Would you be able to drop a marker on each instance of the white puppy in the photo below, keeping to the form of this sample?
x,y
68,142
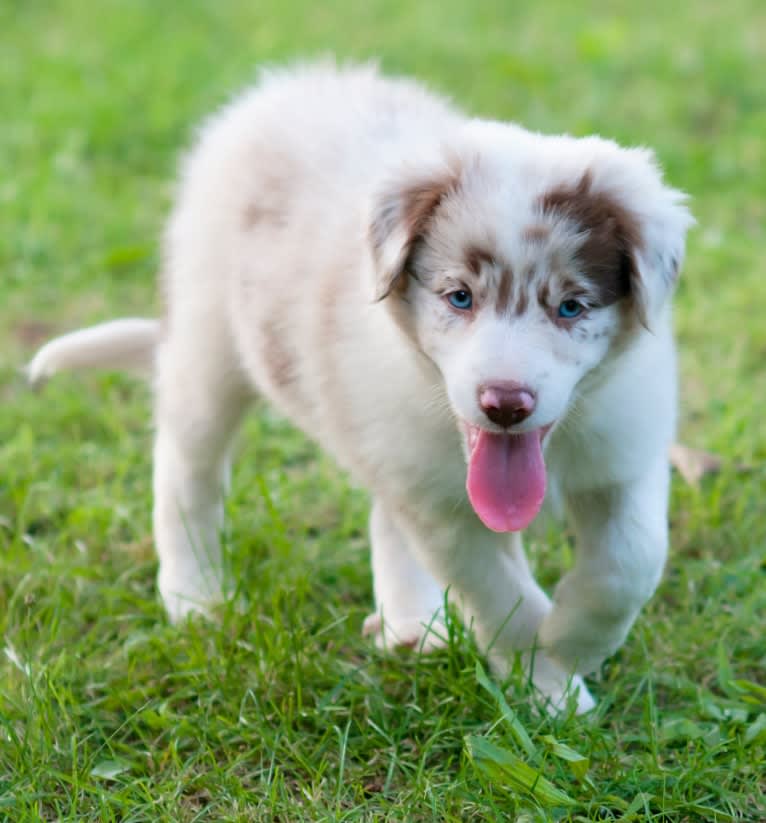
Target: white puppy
x,y
462,312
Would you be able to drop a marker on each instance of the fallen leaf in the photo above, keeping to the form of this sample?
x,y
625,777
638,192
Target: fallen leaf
x,y
32,333
694,464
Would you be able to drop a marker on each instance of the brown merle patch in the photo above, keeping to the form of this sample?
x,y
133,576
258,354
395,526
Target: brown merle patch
x,y
476,257
276,355
536,234
255,214
613,236
411,209
421,201
543,292
504,289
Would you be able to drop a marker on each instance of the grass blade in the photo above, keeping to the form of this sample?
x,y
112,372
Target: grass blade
x,y
519,732
512,773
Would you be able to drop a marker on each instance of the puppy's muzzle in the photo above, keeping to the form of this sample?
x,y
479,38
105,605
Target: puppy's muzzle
x,y
506,403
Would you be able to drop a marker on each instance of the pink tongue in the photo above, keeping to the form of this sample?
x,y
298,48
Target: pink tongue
x,y
506,479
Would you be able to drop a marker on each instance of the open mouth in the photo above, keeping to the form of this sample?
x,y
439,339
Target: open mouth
x,y
506,476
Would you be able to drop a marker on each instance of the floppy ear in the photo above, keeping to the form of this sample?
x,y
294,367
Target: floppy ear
x,y
634,228
651,220
401,213
664,221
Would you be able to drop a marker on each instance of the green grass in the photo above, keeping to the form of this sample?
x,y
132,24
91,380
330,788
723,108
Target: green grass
x,y
280,710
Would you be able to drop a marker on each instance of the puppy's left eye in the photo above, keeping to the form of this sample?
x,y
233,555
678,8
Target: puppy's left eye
x,y
461,299
570,309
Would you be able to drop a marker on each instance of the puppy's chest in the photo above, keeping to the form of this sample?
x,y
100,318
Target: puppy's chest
x,y
595,456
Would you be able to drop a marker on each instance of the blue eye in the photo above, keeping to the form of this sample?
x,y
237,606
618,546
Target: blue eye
x,y
460,299
570,308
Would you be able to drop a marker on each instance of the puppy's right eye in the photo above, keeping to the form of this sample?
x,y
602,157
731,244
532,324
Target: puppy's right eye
x,y
460,299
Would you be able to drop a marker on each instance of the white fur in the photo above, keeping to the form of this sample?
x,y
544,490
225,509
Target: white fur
x,y
271,280
127,344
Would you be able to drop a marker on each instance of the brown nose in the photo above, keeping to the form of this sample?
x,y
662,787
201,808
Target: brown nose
x,y
506,403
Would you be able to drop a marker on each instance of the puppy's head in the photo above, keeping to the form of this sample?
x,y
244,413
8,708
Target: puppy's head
x,y
519,264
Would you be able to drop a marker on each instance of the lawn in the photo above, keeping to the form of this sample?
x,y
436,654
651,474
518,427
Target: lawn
x,y
280,710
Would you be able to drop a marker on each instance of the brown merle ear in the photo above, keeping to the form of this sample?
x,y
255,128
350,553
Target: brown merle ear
x,y
401,215
611,239
634,233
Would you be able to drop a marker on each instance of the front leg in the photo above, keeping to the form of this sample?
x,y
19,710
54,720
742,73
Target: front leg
x,y
486,575
408,601
621,546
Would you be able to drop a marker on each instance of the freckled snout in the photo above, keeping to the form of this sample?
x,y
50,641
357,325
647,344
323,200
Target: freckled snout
x,y
506,403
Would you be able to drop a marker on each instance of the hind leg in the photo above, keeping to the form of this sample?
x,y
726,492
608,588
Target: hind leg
x,y
200,400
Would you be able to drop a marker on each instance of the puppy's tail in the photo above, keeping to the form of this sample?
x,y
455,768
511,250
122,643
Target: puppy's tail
x,y
127,344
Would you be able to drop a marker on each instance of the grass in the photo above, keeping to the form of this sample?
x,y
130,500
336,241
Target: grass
x,y
280,710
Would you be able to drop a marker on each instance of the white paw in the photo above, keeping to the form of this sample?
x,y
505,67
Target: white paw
x,y
556,686
421,633
557,697
182,599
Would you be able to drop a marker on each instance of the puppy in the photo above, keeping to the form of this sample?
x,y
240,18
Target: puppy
x,y
469,316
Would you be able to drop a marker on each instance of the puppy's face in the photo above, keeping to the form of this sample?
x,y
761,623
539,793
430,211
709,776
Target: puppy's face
x,y
517,281
518,316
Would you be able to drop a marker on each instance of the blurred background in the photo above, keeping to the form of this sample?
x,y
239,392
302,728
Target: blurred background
x,y
99,99
97,102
